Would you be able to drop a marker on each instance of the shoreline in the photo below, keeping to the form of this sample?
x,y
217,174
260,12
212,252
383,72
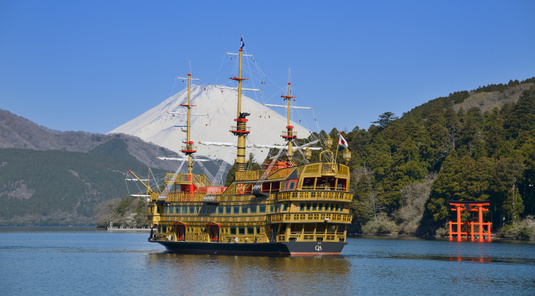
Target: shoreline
x,y
444,238
139,229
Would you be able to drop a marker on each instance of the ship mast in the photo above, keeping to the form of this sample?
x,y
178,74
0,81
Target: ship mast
x,y
240,130
289,134
189,149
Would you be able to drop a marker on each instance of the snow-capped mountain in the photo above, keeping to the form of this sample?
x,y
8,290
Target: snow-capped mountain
x,y
212,119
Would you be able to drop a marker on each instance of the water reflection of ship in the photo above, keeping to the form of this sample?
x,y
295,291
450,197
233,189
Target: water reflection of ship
x,y
290,274
473,259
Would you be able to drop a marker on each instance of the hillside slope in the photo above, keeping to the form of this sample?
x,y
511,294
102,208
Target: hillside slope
x,y
407,169
57,187
19,132
57,178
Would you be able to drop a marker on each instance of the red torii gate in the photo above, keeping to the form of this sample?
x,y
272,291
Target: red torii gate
x,y
471,206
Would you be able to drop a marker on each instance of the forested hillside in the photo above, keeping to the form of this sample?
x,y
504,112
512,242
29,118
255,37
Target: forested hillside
x,y
406,169
51,177
57,187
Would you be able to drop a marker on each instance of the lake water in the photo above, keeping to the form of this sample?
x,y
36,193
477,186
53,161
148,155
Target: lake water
x,y
84,261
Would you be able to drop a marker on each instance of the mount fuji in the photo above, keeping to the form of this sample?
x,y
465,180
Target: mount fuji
x,y
212,119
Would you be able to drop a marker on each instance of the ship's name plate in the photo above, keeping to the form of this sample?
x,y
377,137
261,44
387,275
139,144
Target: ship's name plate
x,y
209,198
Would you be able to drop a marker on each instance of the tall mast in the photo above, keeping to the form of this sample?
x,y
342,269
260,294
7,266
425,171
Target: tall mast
x,y
289,134
189,149
240,130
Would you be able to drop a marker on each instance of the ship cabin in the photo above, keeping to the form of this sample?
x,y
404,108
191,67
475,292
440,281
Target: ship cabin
x,y
308,203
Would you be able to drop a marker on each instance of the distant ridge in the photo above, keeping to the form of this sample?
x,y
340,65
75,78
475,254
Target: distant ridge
x,y
218,106
19,132
51,177
484,98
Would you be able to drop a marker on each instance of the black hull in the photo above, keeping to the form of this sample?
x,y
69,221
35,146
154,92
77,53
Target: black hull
x,y
264,249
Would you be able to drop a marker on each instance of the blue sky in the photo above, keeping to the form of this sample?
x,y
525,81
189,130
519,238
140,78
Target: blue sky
x,y
94,65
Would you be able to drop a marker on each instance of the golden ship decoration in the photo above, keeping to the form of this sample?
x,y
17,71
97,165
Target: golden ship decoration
x,y
283,209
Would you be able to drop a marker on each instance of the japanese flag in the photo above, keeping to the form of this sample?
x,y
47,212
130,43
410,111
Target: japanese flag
x,y
341,141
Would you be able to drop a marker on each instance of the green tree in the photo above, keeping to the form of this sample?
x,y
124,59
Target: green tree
x,y
385,119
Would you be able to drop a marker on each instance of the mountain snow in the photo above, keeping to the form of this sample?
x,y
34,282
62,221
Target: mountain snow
x,y
212,119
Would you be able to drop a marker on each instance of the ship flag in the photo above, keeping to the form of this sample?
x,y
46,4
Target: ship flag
x,y
241,43
341,141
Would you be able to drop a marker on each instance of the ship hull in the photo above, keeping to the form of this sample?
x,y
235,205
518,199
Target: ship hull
x,y
262,249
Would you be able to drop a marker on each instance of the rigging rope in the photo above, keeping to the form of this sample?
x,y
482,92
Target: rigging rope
x,y
172,182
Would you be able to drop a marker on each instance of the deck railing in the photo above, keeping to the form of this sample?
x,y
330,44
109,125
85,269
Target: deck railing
x,y
309,218
185,178
316,196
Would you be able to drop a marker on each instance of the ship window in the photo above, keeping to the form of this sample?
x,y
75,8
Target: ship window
x,y
262,209
236,210
342,229
166,210
331,229
275,186
320,228
157,210
282,228
244,209
309,228
308,183
342,184
320,183
253,210
308,206
290,185
184,210
284,207
241,230
296,228
228,210
192,210
233,231
220,210
314,206
320,207
301,207
272,209
212,209
250,230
